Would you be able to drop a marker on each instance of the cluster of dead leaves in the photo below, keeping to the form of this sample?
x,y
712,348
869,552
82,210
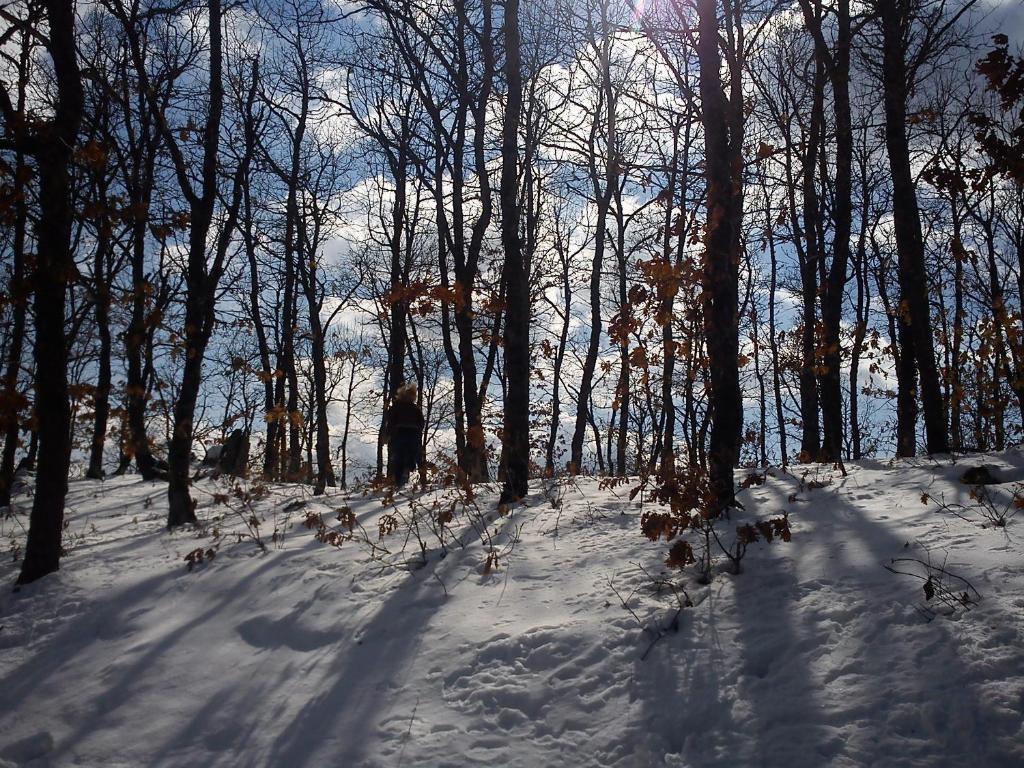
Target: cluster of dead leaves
x,y
769,530
326,535
199,555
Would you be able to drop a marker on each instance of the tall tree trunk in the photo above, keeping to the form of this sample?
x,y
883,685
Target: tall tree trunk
x,y
556,375
287,391
474,457
722,142
593,346
134,342
762,437
263,347
199,307
622,392
809,266
860,332
598,451
516,435
837,66
291,454
202,279
666,313
603,199
447,338
101,297
142,147
54,269
305,261
773,336
349,394
902,344
959,254
19,294
397,300
325,471
810,444
181,506
907,224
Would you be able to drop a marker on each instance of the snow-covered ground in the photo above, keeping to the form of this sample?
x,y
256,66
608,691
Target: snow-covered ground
x,y
317,655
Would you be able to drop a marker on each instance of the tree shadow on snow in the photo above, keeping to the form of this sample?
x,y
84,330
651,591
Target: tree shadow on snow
x,y
838,667
366,677
815,655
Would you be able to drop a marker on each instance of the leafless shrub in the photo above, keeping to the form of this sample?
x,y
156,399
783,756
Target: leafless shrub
x,y
944,591
657,628
987,505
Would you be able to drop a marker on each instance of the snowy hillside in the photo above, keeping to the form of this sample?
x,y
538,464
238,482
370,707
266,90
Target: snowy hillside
x,y
577,649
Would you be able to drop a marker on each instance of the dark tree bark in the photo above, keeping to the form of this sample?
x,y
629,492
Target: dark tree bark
x,y
556,374
773,337
603,182
956,376
144,138
102,394
447,337
667,453
19,295
902,345
135,343
54,146
102,279
290,430
262,345
350,389
398,304
811,256
906,395
722,117
837,66
474,461
810,439
862,306
286,385
201,284
622,387
913,276
202,277
516,434
593,346
325,471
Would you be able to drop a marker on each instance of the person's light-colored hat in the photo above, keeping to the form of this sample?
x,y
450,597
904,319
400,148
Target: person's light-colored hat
x,y
407,391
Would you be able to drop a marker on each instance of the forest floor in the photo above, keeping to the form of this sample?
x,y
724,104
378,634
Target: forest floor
x,y
577,649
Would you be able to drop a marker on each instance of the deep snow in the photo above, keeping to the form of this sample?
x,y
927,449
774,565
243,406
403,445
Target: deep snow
x,y
315,655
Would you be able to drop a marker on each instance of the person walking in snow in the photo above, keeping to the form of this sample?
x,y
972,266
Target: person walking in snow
x,y
403,431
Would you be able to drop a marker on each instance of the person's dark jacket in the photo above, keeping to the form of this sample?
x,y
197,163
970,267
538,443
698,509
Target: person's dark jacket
x,y
404,417
404,430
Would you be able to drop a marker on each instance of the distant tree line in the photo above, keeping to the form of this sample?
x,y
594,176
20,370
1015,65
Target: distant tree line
x,y
601,236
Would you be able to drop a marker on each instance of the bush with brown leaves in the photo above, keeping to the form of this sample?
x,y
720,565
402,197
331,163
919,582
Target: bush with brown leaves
x,y
688,506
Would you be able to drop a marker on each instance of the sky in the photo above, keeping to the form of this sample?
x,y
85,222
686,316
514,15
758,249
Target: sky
x,y
1006,16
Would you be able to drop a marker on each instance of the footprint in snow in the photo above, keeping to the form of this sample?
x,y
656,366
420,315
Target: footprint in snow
x,y
540,681
264,632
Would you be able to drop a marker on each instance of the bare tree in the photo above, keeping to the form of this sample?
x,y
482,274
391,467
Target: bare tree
x,y
516,435
52,143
